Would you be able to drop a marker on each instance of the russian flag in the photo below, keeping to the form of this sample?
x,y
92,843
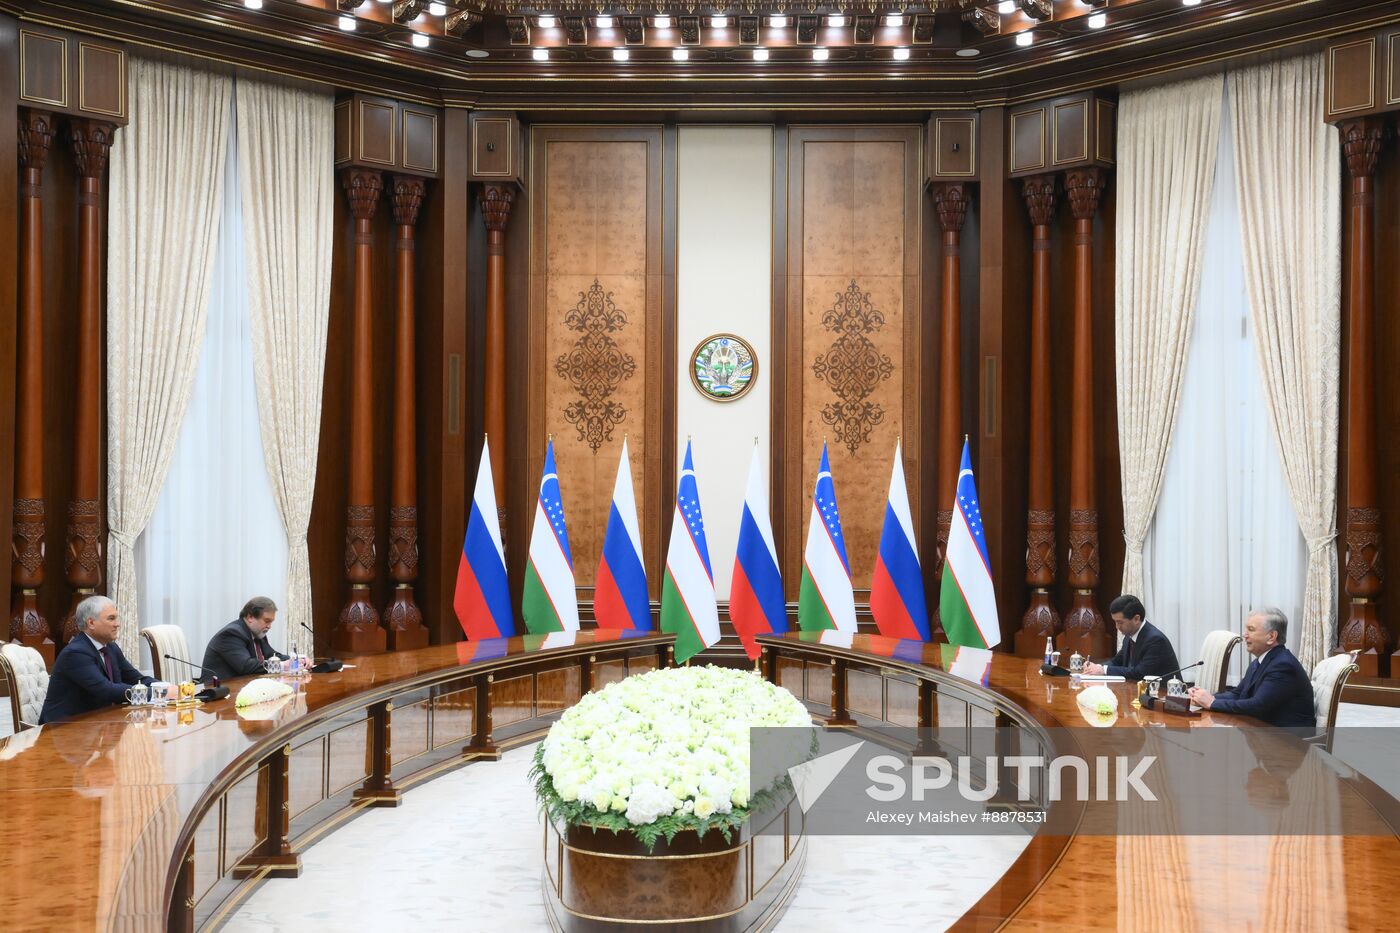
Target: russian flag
x,y
897,589
482,599
620,598
756,604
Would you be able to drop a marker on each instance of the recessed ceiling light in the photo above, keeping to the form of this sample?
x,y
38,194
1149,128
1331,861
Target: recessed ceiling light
x,y
662,22
1190,2
347,24
477,53
253,4
603,22
1097,20
778,22
760,55
836,21
894,20
680,55
1024,39
968,53
820,55
420,40
546,22
621,55
901,54
1006,7
437,9
540,55
719,22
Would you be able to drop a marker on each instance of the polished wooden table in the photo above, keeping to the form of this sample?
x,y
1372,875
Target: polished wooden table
x,y
1106,881
164,819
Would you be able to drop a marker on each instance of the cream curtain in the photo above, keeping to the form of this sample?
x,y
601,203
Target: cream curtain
x,y
286,154
1288,168
1167,140
165,202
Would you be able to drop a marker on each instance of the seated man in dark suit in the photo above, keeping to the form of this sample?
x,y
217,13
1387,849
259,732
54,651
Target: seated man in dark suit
x,y
1275,688
1146,651
90,672
240,648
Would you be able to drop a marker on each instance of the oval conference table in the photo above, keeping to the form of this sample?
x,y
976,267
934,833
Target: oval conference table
x,y
145,819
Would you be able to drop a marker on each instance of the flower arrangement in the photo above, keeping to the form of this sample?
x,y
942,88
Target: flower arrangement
x,y
661,752
1099,705
262,690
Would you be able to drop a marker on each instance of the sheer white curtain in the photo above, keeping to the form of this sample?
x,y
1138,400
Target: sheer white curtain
x,y
1225,537
216,537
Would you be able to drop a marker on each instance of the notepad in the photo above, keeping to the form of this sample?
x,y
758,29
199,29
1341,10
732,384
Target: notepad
x,y
1102,678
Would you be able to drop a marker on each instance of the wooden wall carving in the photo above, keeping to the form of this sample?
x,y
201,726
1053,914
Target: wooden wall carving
x,y
853,370
595,320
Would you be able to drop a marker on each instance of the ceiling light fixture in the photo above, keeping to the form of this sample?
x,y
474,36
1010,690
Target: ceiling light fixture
x,y
540,55
836,21
420,40
1097,20
820,55
621,55
778,22
760,54
894,20
1024,39
1190,2
1006,7
680,55
662,22
253,4
546,22
968,53
479,53
437,9
901,54
603,22
719,22
347,24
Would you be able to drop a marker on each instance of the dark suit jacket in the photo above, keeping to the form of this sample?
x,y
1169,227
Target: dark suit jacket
x,y
1277,691
79,681
230,653
1149,653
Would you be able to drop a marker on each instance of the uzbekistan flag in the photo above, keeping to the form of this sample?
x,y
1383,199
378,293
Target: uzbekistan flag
x,y
897,590
967,602
549,602
826,599
620,600
688,605
482,600
756,593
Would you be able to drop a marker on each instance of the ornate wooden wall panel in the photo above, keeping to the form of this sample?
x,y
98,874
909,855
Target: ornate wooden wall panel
x,y
854,330
595,364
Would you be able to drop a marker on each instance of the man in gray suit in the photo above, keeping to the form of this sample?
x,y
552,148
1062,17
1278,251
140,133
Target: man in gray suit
x,y
241,648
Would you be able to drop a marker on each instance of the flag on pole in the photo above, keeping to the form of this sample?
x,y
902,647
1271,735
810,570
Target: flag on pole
x,y
897,589
482,599
549,602
967,602
620,600
825,599
756,603
688,606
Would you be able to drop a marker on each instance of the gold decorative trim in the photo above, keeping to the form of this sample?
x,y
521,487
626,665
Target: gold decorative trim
x,y
510,150
403,125
24,96
1011,137
938,144
1332,107
393,136
120,112
1112,157
343,132
1392,88
1054,118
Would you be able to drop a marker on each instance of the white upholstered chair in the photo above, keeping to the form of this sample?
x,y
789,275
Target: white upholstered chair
x,y
163,640
27,681
1215,652
1328,678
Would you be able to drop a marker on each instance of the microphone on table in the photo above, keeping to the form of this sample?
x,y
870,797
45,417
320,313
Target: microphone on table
x,y
1182,670
324,665
212,692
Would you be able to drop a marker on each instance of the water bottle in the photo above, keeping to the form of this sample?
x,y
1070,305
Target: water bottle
x,y
296,664
1049,651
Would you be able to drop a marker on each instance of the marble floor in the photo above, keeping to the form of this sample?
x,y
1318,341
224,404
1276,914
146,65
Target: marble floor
x,y
417,868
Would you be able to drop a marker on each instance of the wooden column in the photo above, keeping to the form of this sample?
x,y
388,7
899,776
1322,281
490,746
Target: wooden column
x,y
1041,620
496,201
358,631
1362,629
1084,630
951,202
82,559
27,625
402,618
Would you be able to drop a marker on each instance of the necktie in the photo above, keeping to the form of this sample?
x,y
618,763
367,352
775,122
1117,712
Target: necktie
x,y
1249,675
107,663
1128,643
257,649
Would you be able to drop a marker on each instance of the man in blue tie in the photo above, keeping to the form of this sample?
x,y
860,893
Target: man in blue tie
x,y
91,672
1275,688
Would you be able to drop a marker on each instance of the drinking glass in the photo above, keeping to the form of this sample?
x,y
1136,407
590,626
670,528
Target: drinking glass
x,y
160,693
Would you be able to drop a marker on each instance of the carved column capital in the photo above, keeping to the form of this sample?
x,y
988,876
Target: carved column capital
x,y
362,188
951,202
407,193
35,138
1084,187
496,202
92,142
1038,192
1361,145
